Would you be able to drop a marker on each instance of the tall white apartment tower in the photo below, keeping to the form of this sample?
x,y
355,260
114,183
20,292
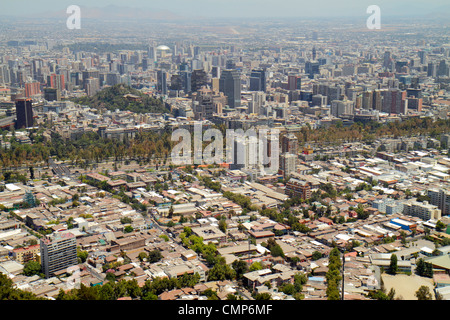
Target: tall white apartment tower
x,y
58,252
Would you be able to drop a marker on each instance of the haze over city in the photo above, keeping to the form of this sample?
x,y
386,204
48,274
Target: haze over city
x,y
244,150
241,9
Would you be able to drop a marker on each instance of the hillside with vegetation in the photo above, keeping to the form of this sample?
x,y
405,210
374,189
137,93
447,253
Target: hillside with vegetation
x,y
124,98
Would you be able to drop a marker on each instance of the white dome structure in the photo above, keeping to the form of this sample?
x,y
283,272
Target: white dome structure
x,y
162,47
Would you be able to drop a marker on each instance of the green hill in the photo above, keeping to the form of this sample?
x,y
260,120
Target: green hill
x,y
124,98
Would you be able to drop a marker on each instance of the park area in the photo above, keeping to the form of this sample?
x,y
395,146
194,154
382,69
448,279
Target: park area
x,y
405,286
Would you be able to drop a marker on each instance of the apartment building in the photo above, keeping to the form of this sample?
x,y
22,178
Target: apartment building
x,y
58,252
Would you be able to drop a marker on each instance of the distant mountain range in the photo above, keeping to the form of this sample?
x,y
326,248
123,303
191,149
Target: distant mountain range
x,y
113,12
124,13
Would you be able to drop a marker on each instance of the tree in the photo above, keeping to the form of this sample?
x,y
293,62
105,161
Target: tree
x,y
424,269
333,275
316,255
423,293
440,226
82,255
142,255
9,292
240,267
31,268
393,267
256,266
154,256
275,249
263,296
223,225
221,271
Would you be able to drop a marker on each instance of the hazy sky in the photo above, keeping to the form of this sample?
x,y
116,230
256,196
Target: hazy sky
x,y
241,8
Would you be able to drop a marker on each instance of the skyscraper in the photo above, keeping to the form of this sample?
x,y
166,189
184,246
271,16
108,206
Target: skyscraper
x,y
288,163
206,102
162,82
312,68
152,55
367,100
92,86
289,144
394,101
185,77
441,199
186,80
230,85
52,94
32,88
432,69
294,82
258,80
24,113
56,81
387,60
199,79
423,56
58,252
443,68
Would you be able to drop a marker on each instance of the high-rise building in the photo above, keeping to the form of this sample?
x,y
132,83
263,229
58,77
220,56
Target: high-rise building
x,y
92,86
294,82
258,80
4,74
339,108
414,103
377,102
289,144
32,88
288,163
443,68
394,101
298,188
215,72
206,102
24,113
152,55
256,102
312,68
56,81
335,93
186,81
367,100
162,82
58,252
230,85
245,152
52,94
441,199
319,100
432,69
199,78
387,60
423,56
423,210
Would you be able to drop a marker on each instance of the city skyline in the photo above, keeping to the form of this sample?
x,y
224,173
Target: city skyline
x,y
225,150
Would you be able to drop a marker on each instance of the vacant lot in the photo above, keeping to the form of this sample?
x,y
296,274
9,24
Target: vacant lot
x,y
405,286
